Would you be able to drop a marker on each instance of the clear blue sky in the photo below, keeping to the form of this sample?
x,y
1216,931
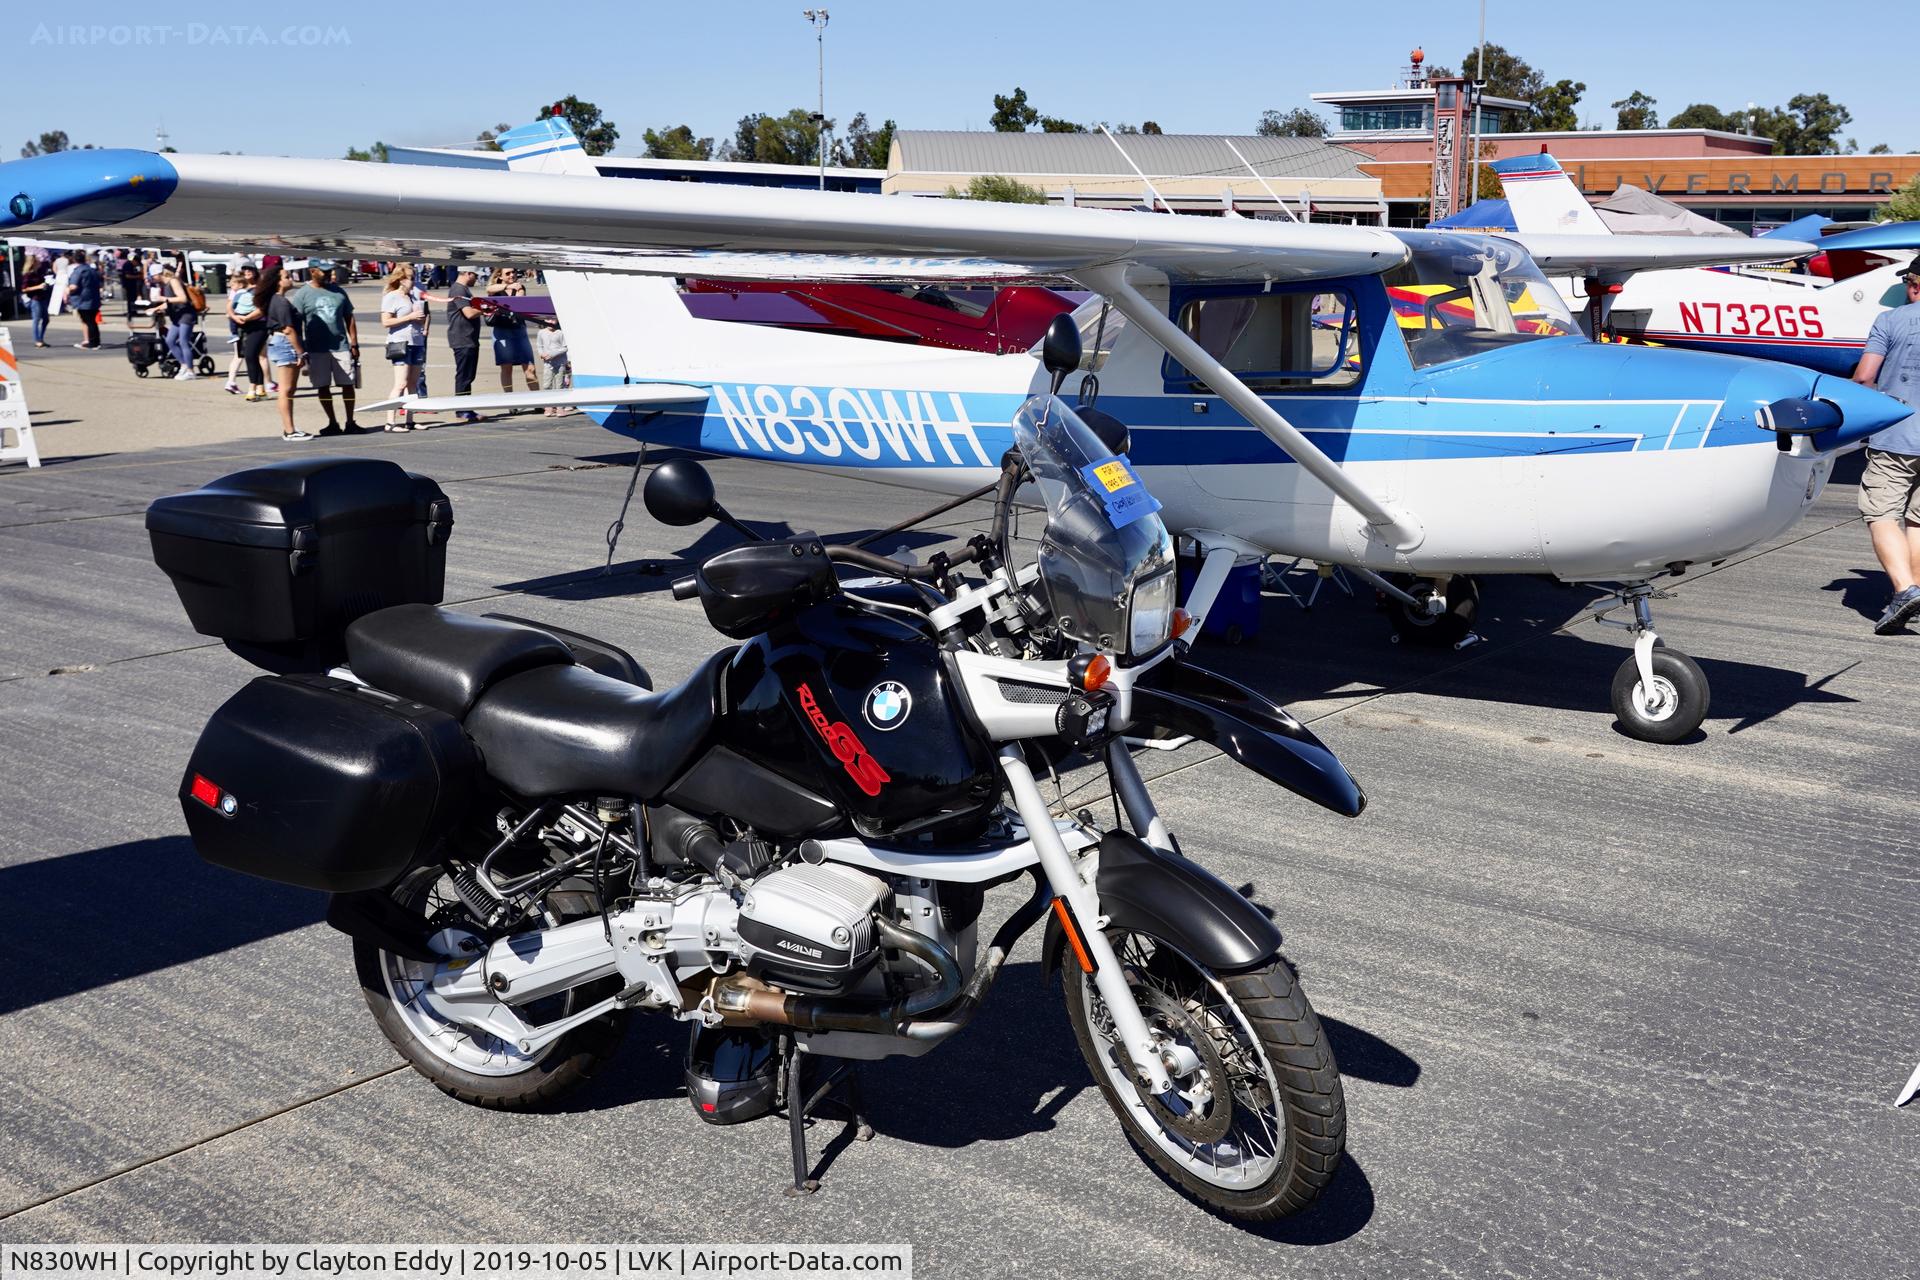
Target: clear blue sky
x,y
312,79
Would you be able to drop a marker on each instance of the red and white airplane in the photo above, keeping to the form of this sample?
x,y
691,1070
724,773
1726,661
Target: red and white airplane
x,y
1803,318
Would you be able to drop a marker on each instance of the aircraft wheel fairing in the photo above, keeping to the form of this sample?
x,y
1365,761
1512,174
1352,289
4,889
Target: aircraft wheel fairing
x,y
1668,711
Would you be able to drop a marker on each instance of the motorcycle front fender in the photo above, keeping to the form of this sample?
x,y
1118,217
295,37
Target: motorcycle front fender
x,y
1175,700
1165,896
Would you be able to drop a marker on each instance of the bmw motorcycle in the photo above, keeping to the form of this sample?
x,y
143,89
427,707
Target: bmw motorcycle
x,y
791,850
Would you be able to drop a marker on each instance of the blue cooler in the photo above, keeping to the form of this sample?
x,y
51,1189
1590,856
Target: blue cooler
x,y
1235,615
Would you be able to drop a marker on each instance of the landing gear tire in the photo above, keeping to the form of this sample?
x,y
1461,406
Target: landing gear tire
x,y
1436,631
1672,709
467,1064
1256,1122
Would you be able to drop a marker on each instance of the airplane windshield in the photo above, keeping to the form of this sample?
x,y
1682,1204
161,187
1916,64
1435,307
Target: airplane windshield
x,y
1461,295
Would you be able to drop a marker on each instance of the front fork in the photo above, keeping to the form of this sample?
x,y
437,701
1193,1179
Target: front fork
x,y
1108,977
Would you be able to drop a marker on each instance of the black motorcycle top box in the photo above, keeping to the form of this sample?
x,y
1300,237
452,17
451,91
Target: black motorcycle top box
x,y
277,560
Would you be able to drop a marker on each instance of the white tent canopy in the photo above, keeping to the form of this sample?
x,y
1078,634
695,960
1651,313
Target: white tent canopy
x,y
1634,210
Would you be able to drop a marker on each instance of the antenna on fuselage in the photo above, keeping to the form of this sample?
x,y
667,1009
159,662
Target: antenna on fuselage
x,y
1146,181
1261,179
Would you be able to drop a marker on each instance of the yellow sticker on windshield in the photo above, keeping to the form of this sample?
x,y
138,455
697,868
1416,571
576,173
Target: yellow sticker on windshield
x,y
1114,475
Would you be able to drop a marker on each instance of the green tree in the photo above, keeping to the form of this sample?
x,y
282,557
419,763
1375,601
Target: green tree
x,y
1701,115
864,146
1903,206
597,134
1879,149
1636,111
1011,114
1149,126
992,186
676,143
1297,123
1555,108
1507,74
488,138
1810,126
1054,124
49,143
377,153
746,135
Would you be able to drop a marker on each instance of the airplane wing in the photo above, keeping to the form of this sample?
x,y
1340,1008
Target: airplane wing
x,y
1562,255
342,207
638,395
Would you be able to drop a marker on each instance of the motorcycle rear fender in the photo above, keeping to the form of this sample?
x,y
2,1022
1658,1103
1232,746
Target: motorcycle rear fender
x,y
374,917
1163,895
1176,700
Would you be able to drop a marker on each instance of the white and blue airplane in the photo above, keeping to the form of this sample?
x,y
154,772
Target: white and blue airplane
x,y
1817,321
1414,403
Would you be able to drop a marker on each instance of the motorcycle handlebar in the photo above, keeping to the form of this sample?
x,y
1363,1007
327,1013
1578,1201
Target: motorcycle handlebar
x,y
686,588
863,559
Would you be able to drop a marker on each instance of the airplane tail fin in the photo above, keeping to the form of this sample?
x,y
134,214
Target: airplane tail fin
x,y
1543,198
548,145
600,309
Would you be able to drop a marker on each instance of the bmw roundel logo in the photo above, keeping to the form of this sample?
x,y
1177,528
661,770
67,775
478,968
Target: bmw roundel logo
x,y
888,704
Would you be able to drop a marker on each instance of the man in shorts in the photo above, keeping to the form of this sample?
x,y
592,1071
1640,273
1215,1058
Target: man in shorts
x,y
1890,486
332,342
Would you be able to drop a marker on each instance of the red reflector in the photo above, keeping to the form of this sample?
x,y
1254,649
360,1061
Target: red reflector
x,y
708,1106
206,792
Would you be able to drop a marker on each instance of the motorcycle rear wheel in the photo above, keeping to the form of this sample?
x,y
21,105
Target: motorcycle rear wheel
x,y
471,1065
1256,1127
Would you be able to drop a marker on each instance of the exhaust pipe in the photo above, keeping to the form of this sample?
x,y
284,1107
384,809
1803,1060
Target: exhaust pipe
x,y
745,997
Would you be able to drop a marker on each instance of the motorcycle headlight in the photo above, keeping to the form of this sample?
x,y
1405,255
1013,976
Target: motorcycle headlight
x,y
1150,622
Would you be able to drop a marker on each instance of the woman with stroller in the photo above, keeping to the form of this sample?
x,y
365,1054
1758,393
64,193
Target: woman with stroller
x,y
181,316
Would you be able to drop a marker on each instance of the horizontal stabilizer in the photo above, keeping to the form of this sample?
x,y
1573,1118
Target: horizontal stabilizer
x,y
1564,255
638,394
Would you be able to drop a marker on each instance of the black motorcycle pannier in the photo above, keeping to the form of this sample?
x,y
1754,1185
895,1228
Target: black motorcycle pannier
x,y
326,784
278,560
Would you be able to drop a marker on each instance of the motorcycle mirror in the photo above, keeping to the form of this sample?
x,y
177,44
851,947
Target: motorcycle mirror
x,y
680,492
1113,433
1060,349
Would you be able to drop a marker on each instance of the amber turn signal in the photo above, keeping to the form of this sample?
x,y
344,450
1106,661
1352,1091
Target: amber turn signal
x,y
1182,621
1098,672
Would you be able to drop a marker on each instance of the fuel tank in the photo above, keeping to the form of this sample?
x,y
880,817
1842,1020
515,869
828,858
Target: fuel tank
x,y
861,710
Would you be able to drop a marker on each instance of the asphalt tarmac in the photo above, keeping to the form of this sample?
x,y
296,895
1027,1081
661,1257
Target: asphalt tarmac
x,y
1603,1008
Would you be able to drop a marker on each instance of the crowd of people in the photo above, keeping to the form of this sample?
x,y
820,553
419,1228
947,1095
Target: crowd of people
x,y
286,323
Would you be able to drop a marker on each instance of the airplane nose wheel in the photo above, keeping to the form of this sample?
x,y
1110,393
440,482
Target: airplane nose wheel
x,y
1659,694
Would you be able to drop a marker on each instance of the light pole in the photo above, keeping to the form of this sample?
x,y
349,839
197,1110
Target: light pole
x,y
818,17
1479,88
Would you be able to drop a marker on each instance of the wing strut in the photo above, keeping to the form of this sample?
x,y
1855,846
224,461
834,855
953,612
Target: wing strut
x,y
1399,529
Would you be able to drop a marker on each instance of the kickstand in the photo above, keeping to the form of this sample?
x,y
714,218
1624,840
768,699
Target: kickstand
x,y
801,1104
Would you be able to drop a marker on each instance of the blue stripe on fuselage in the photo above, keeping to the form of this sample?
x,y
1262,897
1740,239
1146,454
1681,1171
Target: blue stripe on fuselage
x,y
889,428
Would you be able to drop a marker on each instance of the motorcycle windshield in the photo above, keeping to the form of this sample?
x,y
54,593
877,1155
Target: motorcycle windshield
x,y
1106,560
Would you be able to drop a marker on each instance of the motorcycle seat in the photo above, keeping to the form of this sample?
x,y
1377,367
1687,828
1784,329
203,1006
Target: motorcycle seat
x,y
567,730
443,659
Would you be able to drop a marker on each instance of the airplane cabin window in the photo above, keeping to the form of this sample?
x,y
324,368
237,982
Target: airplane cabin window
x,y
1464,295
1277,341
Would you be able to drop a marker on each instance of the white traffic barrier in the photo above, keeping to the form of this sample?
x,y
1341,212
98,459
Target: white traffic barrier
x,y
13,408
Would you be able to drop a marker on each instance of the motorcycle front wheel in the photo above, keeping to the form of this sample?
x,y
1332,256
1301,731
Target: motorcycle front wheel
x,y
1256,1122
466,1063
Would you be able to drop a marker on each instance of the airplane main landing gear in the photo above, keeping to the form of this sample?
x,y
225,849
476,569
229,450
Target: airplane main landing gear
x,y
1435,613
1659,694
